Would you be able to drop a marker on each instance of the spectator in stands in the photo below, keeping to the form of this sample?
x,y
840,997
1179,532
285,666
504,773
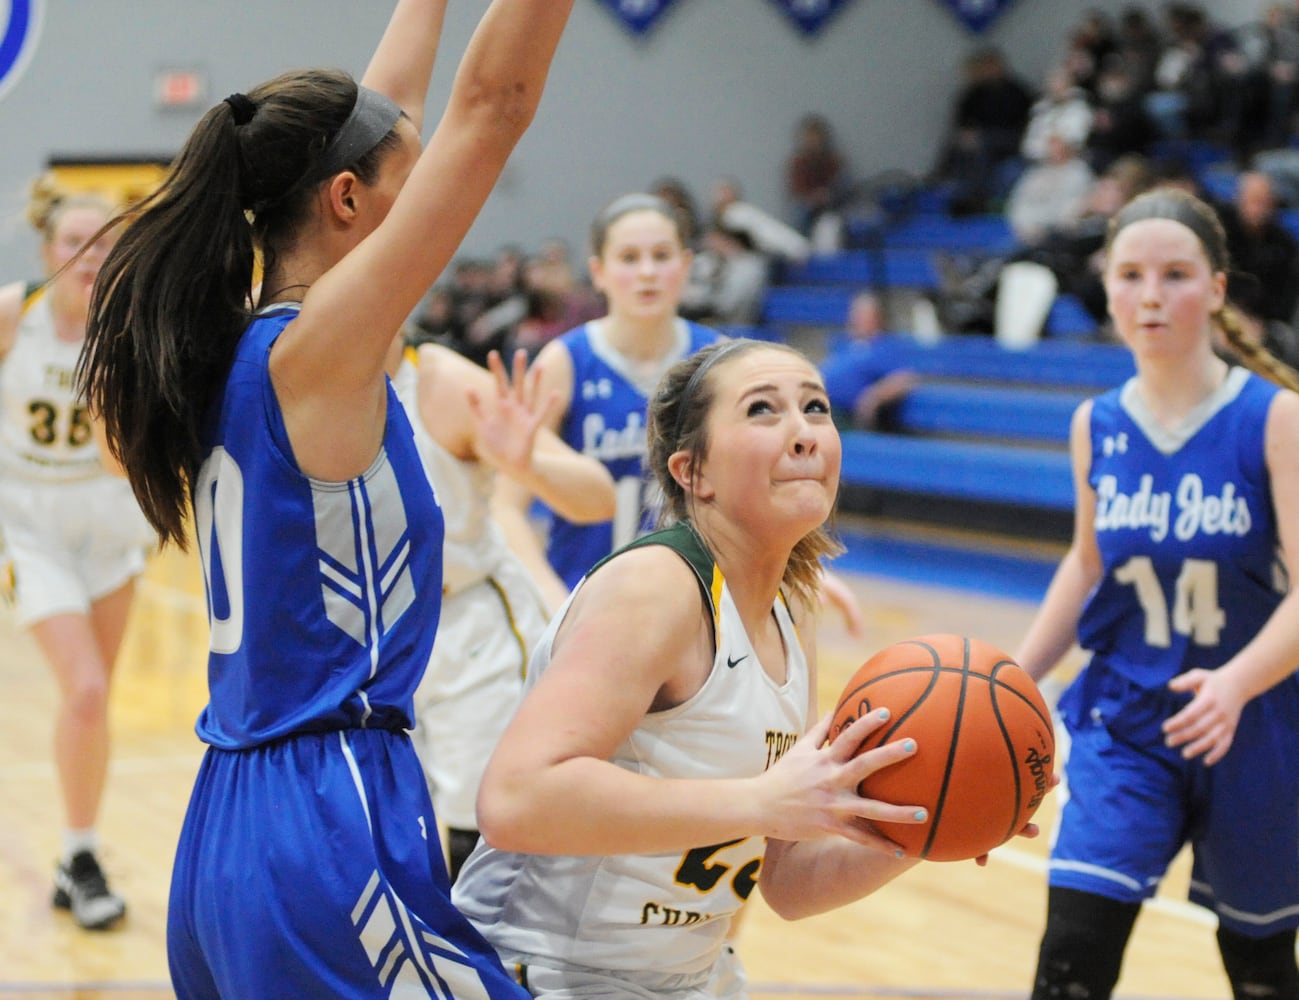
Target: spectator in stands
x,y
816,174
1051,194
1120,125
434,320
1092,42
1199,78
1139,47
673,190
1063,110
558,299
737,254
866,378
982,145
1264,282
1274,75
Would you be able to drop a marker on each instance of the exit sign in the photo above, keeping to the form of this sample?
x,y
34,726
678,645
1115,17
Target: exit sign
x,y
179,88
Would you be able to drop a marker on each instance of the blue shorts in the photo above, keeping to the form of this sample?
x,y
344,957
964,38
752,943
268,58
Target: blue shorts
x,y
311,867
1131,803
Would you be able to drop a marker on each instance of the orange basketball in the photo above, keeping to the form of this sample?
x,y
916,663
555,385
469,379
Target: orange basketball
x,y
985,744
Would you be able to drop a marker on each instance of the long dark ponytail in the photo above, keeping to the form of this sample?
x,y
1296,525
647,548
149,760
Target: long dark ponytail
x,y
175,294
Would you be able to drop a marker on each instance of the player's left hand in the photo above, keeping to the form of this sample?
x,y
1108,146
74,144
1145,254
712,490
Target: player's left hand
x,y
1030,829
1207,724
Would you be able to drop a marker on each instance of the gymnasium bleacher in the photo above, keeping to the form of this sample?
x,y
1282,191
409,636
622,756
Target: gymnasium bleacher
x,y
981,442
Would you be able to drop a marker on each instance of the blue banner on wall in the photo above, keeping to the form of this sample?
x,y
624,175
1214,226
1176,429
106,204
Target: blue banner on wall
x,y
638,15
18,35
977,15
809,15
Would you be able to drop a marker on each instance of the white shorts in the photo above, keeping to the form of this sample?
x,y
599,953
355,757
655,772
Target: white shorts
x,y
473,685
69,544
726,980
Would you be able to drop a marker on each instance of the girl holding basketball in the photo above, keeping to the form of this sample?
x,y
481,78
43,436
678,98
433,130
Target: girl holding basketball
x,y
642,785
309,862
603,373
1184,723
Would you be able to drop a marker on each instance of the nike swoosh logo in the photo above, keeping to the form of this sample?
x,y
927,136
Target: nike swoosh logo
x,y
731,663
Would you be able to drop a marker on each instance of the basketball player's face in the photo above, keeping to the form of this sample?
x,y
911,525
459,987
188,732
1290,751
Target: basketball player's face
x,y
73,229
1161,288
773,451
643,266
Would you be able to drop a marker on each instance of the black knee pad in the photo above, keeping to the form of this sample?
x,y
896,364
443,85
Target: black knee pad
x,y
1082,947
1260,968
460,843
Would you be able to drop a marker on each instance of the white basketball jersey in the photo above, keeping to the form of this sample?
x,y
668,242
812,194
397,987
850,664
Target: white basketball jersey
x,y
45,432
475,545
668,913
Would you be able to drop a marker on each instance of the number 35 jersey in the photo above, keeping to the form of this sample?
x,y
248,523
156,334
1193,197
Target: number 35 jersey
x,y
45,434
1186,530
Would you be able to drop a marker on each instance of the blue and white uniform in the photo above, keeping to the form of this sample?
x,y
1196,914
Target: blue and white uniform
x,y
309,862
651,925
606,420
1189,547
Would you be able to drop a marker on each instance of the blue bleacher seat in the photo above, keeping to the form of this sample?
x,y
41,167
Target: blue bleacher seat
x,y
1048,363
990,473
951,409
1069,318
809,305
988,233
908,267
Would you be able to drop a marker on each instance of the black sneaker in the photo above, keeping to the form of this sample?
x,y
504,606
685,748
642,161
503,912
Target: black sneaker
x,y
80,886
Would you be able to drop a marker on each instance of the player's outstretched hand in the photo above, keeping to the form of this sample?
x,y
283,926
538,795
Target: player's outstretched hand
x,y
506,426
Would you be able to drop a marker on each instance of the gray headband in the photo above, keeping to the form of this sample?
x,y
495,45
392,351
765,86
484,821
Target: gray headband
x,y
1175,208
372,117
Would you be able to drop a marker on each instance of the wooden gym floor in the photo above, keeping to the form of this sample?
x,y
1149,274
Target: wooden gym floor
x,y
951,931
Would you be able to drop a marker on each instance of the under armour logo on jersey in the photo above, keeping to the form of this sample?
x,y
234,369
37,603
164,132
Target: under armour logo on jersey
x,y
409,958
364,546
597,388
1114,444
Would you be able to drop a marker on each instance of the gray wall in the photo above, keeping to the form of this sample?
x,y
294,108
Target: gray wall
x,y
715,89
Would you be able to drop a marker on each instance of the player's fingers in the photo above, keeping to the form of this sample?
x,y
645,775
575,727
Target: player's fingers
x,y
848,740
497,367
868,762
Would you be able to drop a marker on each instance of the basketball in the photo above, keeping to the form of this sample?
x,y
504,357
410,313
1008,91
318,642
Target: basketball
x,y
985,743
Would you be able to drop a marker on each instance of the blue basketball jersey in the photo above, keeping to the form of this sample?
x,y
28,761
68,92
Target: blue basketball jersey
x,y
309,862
606,419
1186,531
323,597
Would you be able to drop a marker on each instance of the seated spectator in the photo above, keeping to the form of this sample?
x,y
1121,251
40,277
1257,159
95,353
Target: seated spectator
x,y
1050,194
816,174
557,299
1120,125
1264,282
987,126
865,378
434,320
732,269
1063,111
674,191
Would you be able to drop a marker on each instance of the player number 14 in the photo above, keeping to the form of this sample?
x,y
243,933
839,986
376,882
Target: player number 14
x,y
1195,601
